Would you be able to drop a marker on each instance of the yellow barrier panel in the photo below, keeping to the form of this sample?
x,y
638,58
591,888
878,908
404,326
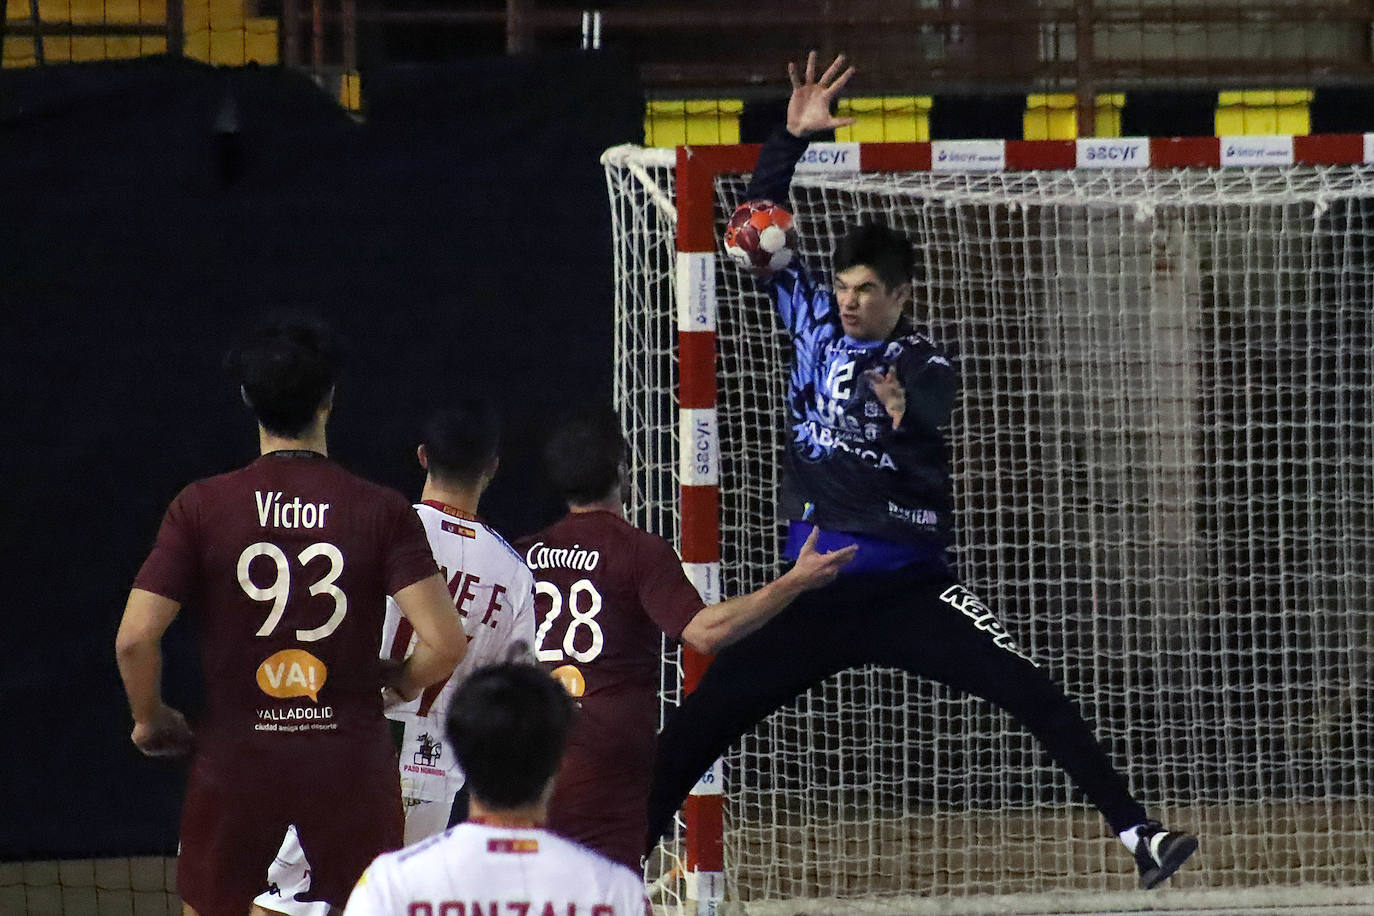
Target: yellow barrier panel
x,y
1050,117
260,40
216,32
1109,105
890,119
1264,111
215,15
674,122
1054,116
351,92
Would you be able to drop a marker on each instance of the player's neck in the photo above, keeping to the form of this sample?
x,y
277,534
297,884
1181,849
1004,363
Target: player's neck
x,y
612,506
464,499
611,502
534,815
312,440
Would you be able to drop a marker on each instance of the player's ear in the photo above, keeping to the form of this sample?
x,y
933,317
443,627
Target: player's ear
x,y
327,405
487,475
423,454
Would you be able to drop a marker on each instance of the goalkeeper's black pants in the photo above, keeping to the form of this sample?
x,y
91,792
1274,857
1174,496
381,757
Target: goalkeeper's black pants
x,y
934,629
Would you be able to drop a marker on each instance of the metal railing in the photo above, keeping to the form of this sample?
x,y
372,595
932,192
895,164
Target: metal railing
x,y
1084,47
1079,46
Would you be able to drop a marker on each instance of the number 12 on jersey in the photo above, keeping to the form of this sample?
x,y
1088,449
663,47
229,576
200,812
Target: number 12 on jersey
x,y
580,593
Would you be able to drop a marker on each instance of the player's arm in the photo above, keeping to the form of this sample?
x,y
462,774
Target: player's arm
x,y
159,730
808,113
441,642
798,303
718,625
930,397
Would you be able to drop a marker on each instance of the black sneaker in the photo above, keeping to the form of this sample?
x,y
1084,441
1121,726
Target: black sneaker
x,y
1159,852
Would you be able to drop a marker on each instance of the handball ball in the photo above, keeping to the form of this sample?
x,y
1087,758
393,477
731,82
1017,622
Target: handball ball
x,y
760,236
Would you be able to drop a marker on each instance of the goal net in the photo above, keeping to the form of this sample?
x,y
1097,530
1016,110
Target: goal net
x,y
1164,485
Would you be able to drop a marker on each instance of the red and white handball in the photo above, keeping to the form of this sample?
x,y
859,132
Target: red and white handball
x,y
761,236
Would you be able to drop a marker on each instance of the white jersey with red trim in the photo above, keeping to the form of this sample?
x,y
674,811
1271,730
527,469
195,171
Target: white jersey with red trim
x,y
493,592
476,867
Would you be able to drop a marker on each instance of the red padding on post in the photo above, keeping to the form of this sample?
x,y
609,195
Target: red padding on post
x,y
696,369
694,665
700,524
1329,149
894,157
705,844
697,167
1041,154
695,231
1185,152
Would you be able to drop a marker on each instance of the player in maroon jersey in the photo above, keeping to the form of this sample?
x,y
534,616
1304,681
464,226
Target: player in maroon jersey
x,y
605,593
286,564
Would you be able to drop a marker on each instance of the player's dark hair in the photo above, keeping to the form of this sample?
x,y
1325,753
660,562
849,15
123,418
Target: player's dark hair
x,y
462,440
584,453
286,367
879,247
508,724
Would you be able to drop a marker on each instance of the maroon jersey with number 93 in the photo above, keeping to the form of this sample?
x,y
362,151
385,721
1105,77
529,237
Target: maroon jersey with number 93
x,y
286,565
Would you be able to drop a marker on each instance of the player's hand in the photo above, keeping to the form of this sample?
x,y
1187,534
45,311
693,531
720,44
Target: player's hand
x,y
890,391
814,568
808,110
164,735
396,684
391,671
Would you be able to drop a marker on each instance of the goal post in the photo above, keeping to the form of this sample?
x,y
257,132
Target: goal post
x,y
1164,487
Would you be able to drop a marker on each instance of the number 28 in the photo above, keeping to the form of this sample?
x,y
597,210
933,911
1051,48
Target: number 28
x,y
580,619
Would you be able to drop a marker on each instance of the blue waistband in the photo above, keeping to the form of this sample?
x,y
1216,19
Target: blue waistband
x,y
875,554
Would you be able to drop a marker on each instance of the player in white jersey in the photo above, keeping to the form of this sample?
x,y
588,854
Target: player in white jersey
x,y
492,589
493,592
508,725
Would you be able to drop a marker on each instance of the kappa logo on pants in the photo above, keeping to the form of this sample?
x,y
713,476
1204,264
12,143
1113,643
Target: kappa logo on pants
x,y
968,604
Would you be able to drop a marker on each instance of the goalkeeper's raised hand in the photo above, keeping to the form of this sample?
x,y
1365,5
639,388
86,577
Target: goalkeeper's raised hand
x,y
808,110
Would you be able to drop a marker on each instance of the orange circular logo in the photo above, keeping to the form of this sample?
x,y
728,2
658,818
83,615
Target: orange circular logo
x,y
292,673
571,679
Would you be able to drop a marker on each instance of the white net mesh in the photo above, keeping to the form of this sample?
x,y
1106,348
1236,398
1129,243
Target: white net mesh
x,y
1163,487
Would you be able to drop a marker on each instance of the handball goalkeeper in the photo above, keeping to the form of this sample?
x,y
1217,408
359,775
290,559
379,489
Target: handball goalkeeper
x,y
869,401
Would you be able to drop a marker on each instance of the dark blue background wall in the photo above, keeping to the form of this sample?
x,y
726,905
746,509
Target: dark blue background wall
x,y
458,240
